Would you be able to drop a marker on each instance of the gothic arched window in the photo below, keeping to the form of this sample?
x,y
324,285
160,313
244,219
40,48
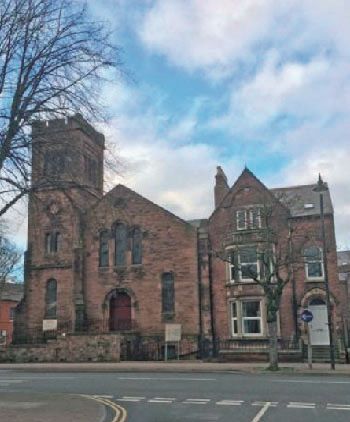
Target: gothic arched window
x,y
136,247
120,244
104,250
168,295
52,242
51,299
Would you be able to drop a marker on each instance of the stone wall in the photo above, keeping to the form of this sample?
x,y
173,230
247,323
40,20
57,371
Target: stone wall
x,y
72,348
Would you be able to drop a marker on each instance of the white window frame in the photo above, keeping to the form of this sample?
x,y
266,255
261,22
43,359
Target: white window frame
x,y
233,319
251,218
239,227
230,266
259,318
248,280
240,319
308,261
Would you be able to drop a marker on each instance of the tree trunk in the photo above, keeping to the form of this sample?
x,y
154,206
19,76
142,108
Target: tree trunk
x,y
273,350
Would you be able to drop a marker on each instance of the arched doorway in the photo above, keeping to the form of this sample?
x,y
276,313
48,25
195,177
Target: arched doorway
x,y
120,312
319,326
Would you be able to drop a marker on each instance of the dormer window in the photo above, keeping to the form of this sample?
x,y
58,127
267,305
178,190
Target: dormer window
x,y
248,219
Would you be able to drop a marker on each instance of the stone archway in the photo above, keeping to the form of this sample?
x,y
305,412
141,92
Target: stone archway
x,y
119,311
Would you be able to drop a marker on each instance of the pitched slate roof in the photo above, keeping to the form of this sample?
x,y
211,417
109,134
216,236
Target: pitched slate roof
x,y
124,189
344,265
12,291
343,258
303,201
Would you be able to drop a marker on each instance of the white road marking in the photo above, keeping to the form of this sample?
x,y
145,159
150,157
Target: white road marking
x,y
261,412
196,401
312,381
262,403
165,379
43,378
300,405
302,402
164,398
206,400
12,381
333,406
229,402
159,401
134,397
129,400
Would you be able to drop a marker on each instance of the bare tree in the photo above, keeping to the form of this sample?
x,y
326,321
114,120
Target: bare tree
x,y
279,252
10,256
53,58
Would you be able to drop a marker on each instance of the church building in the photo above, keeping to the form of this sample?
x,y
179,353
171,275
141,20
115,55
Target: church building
x,y
117,262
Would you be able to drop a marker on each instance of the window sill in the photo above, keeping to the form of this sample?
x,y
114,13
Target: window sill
x,y
103,269
249,337
241,283
315,280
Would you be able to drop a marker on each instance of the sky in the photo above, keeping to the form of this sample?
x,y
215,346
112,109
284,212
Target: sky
x,y
257,83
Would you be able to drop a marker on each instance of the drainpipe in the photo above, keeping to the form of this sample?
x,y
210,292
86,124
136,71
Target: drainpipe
x,y
294,292
211,296
199,269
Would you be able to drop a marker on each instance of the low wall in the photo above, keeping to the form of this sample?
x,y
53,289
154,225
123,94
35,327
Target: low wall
x,y
72,348
258,356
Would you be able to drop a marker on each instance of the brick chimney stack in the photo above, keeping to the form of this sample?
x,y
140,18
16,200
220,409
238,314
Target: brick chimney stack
x,y
221,186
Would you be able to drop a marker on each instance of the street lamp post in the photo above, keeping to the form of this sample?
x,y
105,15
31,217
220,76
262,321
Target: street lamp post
x,y
321,188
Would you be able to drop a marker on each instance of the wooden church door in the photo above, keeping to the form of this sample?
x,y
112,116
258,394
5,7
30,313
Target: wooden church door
x,y
120,312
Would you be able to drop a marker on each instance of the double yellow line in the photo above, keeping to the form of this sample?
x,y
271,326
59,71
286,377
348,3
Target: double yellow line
x,y
120,412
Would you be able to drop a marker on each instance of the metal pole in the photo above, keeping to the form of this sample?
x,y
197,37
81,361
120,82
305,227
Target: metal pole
x,y
309,347
326,285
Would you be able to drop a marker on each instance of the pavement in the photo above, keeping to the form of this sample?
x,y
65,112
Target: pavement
x,y
179,366
41,407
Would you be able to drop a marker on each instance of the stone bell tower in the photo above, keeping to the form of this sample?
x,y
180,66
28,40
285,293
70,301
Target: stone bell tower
x,y
67,179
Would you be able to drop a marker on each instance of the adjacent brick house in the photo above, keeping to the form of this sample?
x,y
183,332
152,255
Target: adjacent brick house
x,y
118,262
11,295
239,305
344,277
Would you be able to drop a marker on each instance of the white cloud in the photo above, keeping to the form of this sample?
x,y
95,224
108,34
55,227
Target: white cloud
x,y
217,35
164,165
332,163
209,35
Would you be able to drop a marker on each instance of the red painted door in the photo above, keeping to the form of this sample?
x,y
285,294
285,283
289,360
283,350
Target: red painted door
x,y
120,312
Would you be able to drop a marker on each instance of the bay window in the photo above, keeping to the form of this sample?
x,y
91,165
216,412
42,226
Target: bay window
x,y
246,318
244,264
248,263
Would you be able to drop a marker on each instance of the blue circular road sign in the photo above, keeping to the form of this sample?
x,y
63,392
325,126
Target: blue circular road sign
x,y
306,315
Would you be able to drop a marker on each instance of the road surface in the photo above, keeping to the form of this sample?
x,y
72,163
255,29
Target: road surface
x,y
173,397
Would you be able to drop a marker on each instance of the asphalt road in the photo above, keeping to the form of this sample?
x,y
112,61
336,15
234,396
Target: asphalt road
x,y
173,397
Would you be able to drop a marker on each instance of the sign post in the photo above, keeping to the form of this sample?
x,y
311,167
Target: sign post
x,y
307,317
173,335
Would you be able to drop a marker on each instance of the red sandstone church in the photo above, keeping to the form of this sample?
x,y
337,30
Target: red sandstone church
x,y
117,262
